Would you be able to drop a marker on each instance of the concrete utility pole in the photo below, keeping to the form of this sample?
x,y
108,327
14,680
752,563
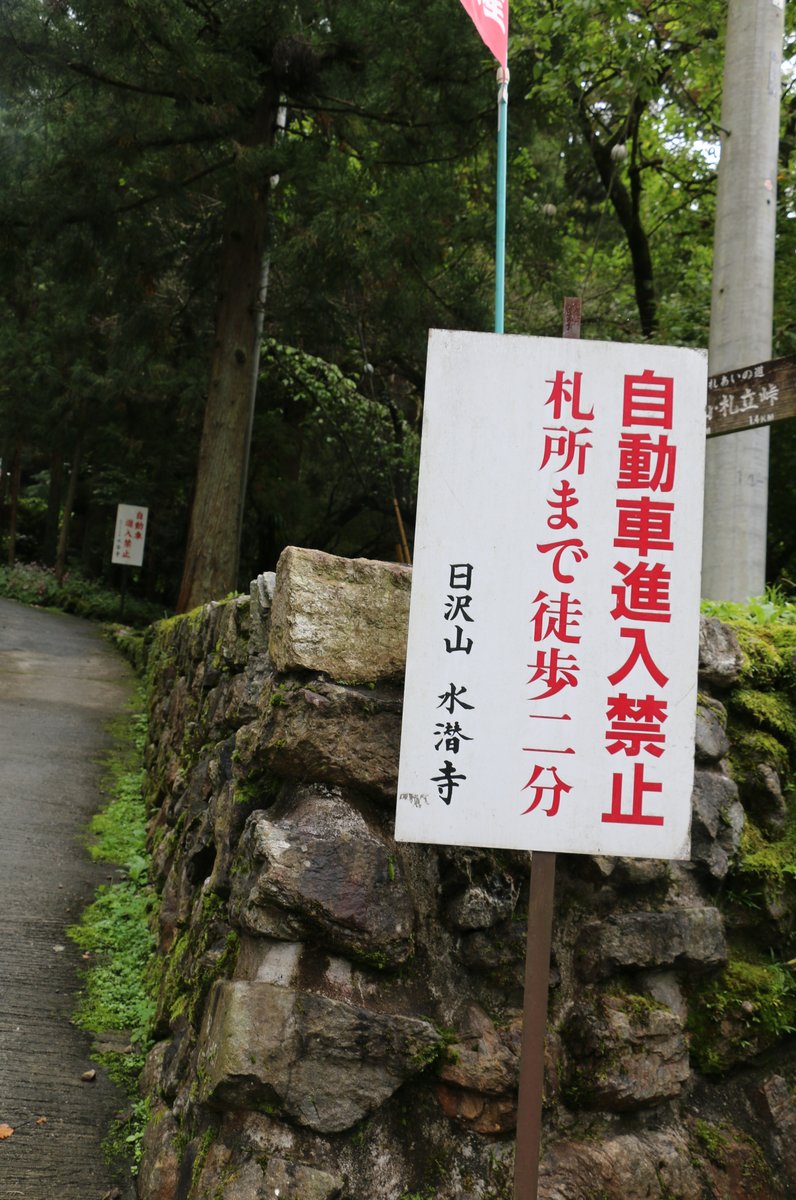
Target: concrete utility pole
x,y
736,480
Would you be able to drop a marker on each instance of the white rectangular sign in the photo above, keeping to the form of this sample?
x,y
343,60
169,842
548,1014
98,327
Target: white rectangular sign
x,y
554,625
129,535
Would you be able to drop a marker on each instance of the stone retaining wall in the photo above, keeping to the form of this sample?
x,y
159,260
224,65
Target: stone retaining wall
x,y
340,1015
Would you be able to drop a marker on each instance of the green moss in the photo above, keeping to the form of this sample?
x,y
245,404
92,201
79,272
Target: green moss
x,y
755,1169
212,906
712,1142
194,964
171,972
429,1058
768,654
773,711
748,1007
638,1006
762,860
753,746
202,1151
260,788
376,959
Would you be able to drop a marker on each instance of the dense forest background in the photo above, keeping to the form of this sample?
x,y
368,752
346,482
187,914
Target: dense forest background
x,y
206,200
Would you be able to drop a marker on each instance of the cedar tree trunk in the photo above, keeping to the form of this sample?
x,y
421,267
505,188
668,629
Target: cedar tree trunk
x,y
211,557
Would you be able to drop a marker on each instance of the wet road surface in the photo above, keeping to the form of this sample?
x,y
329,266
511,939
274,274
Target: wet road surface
x,y
59,684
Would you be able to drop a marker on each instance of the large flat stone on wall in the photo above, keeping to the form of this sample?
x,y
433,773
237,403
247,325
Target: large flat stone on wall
x,y
347,617
325,1063
689,938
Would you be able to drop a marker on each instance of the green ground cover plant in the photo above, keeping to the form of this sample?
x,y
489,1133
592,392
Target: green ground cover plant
x,y
32,583
115,931
772,608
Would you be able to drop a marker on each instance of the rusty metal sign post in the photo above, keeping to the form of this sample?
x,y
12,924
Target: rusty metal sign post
x,y
530,1097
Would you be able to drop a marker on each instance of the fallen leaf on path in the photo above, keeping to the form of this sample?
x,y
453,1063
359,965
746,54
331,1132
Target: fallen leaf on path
x,y
88,1076
41,1120
5,1132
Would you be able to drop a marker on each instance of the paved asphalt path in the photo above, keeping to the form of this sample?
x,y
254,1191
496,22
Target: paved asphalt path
x,y
59,683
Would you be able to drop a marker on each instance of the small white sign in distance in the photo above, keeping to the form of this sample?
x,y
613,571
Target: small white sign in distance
x,y
554,626
130,535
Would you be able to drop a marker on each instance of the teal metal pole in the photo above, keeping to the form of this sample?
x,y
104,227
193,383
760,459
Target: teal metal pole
x,y
500,222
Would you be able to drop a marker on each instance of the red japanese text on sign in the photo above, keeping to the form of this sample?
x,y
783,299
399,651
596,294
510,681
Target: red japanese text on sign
x,y
551,670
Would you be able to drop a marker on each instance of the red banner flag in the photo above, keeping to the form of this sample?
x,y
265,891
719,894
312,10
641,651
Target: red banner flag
x,y
491,19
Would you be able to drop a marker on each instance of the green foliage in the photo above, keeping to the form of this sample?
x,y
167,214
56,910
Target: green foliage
x,y
115,932
121,826
129,134
746,1008
337,456
626,159
31,583
712,1141
772,608
125,1137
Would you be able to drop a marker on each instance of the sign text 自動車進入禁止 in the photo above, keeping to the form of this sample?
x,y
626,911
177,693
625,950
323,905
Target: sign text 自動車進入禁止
x,y
551,672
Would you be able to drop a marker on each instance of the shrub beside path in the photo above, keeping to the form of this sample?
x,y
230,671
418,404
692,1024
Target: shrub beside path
x,y
59,683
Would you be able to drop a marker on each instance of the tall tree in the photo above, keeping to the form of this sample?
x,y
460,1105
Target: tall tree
x,y
166,113
630,94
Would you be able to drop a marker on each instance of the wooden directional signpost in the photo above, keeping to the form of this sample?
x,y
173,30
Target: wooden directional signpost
x,y
751,396
553,634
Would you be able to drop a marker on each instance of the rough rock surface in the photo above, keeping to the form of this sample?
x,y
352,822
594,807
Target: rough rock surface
x,y
340,1014
636,1050
720,655
319,866
685,937
478,1081
717,824
345,617
325,1063
628,1167
712,742
337,735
